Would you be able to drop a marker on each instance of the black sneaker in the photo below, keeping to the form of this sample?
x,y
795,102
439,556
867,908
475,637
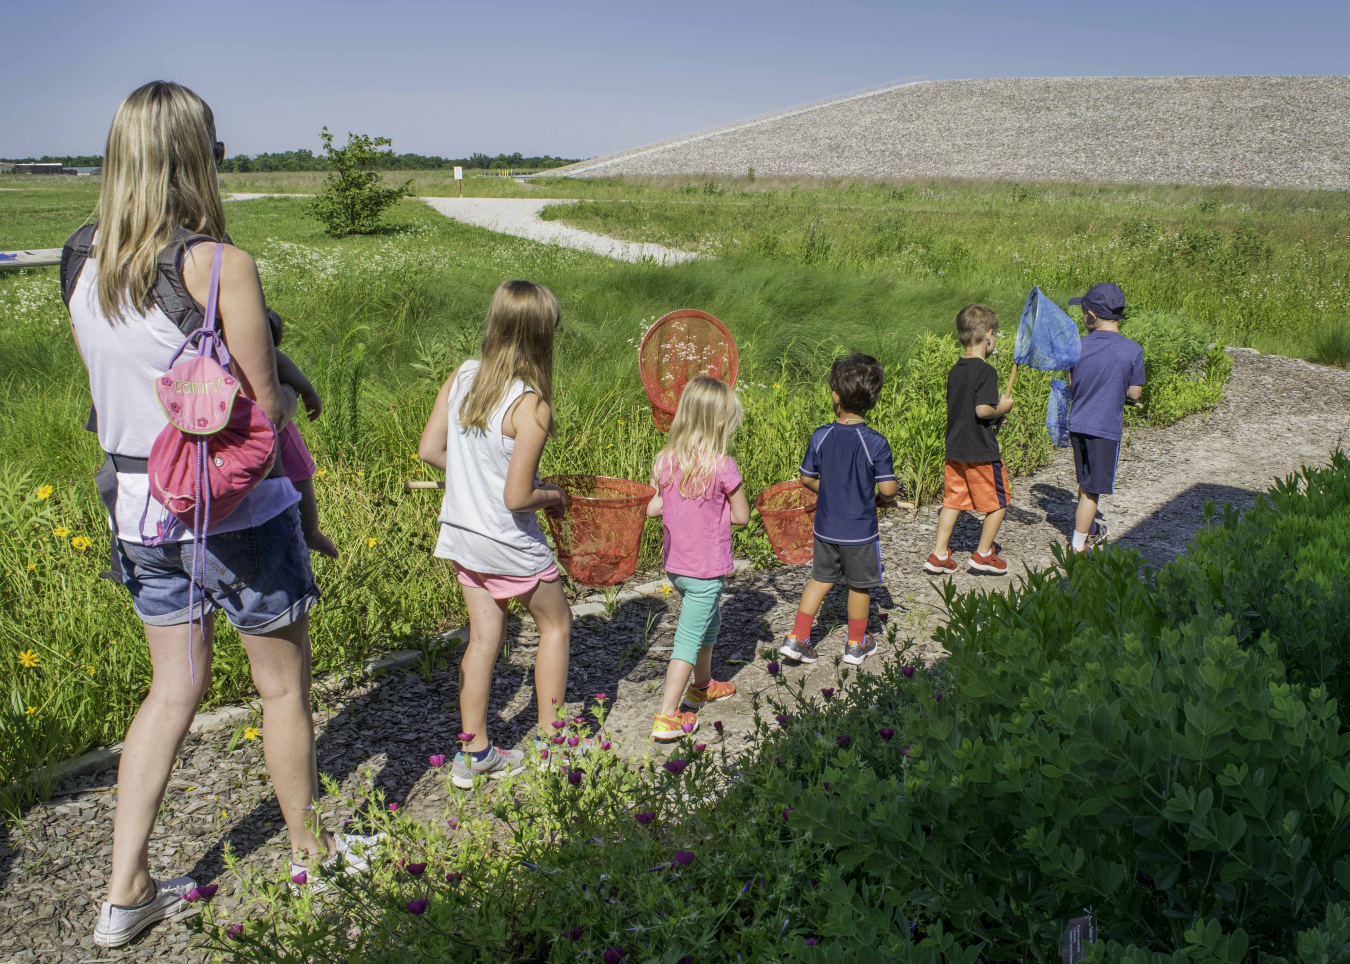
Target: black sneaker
x,y
794,649
855,653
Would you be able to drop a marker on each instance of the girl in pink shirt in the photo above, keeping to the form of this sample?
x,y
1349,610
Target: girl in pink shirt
x,y
699,498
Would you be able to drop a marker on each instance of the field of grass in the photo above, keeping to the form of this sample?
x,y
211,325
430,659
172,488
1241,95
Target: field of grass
x,y
378,322
1267,269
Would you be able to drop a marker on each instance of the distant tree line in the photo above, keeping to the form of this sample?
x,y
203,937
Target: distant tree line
x,y
305,160
82,160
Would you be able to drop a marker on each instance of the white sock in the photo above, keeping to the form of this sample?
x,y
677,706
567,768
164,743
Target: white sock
x,y
1079,540
944,555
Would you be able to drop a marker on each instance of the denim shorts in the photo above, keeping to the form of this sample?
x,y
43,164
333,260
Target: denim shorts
x,y
260,577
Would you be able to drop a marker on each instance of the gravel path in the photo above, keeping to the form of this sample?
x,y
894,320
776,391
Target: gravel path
x,y
520,217
1249,131
1278,415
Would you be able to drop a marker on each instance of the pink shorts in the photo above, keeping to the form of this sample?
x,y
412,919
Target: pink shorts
x,y
504,587
296,462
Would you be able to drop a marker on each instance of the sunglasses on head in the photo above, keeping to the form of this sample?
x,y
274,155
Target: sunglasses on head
x,y
220,151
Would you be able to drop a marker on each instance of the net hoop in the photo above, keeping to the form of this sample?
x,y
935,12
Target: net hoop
x,y
598,535
788,510
724,366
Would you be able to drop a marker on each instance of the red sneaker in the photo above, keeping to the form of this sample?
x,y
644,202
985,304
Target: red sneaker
x,y
942,567
989,562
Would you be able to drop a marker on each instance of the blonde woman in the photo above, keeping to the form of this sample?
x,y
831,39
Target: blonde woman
x,y
699,498
159,185
487,431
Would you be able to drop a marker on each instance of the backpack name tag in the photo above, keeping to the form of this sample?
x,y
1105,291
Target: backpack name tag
x,y
197,395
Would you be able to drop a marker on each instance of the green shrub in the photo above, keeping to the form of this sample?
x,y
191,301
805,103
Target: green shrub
x,y
1185,373
352,198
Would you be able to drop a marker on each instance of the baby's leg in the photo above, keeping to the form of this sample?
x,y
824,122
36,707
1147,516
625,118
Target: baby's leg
x,y
309,520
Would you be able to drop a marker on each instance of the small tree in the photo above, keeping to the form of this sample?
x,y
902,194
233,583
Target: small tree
x,y
353,196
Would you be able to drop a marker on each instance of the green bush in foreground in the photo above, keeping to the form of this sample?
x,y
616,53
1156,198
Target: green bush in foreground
x,y
352,198
1092,745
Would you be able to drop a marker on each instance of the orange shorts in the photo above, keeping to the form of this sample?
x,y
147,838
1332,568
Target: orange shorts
x,y
975,486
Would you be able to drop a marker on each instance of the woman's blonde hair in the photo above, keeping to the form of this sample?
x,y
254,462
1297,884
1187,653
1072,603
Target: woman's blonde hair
x,y
517,343
159,175
707,417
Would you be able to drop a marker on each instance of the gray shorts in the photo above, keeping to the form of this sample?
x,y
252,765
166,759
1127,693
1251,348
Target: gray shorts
x,y
859,566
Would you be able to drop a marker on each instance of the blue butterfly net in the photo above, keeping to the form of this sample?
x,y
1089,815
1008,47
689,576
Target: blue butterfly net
x,y
1047,338
1057,413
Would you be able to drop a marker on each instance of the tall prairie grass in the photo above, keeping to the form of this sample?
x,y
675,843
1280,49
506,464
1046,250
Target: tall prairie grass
x,y
378,323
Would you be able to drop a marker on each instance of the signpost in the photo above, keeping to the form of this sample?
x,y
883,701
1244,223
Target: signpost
x,y
459,179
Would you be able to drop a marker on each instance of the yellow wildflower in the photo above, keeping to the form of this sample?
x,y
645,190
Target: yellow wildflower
x,y
321,473
775,385
224,815
30,711
93,670
45,492
370,542
413,455
80,542
666,590
28,659
251,733
61,532
32,566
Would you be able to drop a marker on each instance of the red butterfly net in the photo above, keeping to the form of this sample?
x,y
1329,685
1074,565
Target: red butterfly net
x,y
789,513
597,536
683,345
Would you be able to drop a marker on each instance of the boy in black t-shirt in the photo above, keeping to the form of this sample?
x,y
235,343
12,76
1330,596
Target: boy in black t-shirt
x,y
975,480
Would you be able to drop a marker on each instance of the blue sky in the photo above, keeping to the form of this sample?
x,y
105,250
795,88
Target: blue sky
x,y
582,78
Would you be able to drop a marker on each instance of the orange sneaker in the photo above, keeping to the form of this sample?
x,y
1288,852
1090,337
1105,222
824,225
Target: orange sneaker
x,y
696,699
989,562
673,726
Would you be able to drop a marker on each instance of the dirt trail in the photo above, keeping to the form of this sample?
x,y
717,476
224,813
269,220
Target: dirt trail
x,y
1277,415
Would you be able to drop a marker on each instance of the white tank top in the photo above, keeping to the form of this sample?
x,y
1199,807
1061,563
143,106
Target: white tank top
x,y
123,359
478,531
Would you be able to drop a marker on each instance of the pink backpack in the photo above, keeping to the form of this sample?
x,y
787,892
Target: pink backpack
x,y
218,444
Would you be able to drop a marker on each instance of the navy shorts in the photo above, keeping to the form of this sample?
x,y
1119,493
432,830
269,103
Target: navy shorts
x,y
859,566
260,577
1094,461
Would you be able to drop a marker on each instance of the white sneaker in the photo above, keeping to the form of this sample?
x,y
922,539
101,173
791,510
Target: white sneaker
x,y
351,847
118,925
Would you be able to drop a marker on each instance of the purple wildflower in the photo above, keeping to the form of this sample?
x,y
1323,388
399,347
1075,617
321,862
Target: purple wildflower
x,y
418,906
675,766
467,737
605,744
827,691
578,720
416,870
700,747
234,931
574,777
685,960
786,811
602,696
907,671
393,807
937,697
575,932
452,824
782,720
812,941
573,741
717,725
613,956
884,616
645,818
437,760
682,857
558,724
773,669
454,877
885,732
687,727
543,754
558,740
301,878
843,740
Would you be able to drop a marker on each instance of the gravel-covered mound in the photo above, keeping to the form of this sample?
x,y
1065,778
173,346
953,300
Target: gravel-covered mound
x,y
1251,131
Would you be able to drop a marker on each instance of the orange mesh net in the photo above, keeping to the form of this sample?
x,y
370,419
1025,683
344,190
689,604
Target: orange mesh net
x,y
683,345
789,513
597,537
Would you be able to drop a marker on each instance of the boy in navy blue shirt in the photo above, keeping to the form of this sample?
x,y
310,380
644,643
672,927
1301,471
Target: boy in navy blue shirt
x,y
1110,370
847,464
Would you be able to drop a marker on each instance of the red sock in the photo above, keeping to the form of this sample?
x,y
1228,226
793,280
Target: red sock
x,y
802,627
856,629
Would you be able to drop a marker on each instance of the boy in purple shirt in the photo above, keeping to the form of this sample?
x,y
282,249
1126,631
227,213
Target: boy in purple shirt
x,y
1109,371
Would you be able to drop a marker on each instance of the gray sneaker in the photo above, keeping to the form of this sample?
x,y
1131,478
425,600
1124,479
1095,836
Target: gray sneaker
x,y
117,925
855,653
497,764
795,649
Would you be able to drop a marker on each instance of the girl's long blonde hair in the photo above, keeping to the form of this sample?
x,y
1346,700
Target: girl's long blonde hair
x,y
517,343
707,417
159,175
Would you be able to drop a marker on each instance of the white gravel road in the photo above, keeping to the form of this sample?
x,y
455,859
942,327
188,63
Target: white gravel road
x,y
520,217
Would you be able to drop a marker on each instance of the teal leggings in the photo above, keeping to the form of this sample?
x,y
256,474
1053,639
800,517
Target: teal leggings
x,y
700,615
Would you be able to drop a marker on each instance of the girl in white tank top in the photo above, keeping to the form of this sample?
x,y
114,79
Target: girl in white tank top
x,y
487,431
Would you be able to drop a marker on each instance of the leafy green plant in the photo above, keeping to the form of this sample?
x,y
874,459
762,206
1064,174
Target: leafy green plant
x,y
353,196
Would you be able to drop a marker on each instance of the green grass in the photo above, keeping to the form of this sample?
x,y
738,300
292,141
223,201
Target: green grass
x,y
1260,268
378,322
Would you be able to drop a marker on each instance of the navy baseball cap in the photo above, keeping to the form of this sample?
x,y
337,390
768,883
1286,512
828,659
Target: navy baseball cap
x,y
1104,300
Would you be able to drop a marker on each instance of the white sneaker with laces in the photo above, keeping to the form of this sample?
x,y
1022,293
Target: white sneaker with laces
x,y
117,925
352,848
